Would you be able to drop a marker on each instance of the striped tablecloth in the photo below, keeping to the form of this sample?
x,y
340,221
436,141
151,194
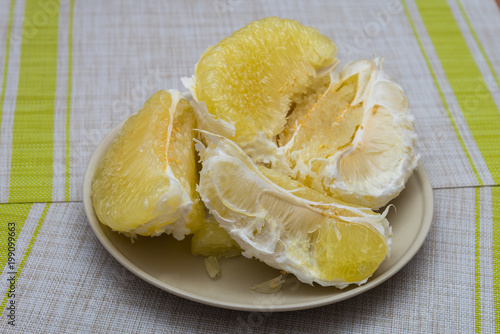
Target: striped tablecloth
x,y
72,69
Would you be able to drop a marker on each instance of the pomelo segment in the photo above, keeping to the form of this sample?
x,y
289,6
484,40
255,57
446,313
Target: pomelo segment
x,y
247,81
145,184
289,226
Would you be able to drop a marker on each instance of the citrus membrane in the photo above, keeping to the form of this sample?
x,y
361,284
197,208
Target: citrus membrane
x,y
357,141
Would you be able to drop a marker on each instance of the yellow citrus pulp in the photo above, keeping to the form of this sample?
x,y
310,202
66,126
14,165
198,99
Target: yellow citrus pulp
x,y
146,182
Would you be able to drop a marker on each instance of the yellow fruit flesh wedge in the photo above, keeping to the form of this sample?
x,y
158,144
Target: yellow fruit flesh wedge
x,y
287,231
349,252
248,79
145,184
213,240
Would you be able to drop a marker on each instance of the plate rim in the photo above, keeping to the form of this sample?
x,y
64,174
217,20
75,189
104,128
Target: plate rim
x,y
97,228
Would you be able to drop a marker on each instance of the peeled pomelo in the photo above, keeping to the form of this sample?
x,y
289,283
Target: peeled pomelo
x,y
295,155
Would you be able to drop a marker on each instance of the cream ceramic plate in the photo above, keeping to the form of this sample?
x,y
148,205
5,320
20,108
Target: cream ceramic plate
x,y
169,265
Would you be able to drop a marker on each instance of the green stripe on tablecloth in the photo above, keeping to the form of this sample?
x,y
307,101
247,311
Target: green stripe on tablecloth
x,y
477,257
465,78
478,42
6,59
31,174
67,179
441,95
475,101
15,214
495,199
27,252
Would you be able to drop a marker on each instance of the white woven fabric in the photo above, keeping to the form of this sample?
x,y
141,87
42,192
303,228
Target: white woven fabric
x,y
123,51
71,284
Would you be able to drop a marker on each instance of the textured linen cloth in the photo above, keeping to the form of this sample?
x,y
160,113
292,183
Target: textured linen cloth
x,y
71,70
